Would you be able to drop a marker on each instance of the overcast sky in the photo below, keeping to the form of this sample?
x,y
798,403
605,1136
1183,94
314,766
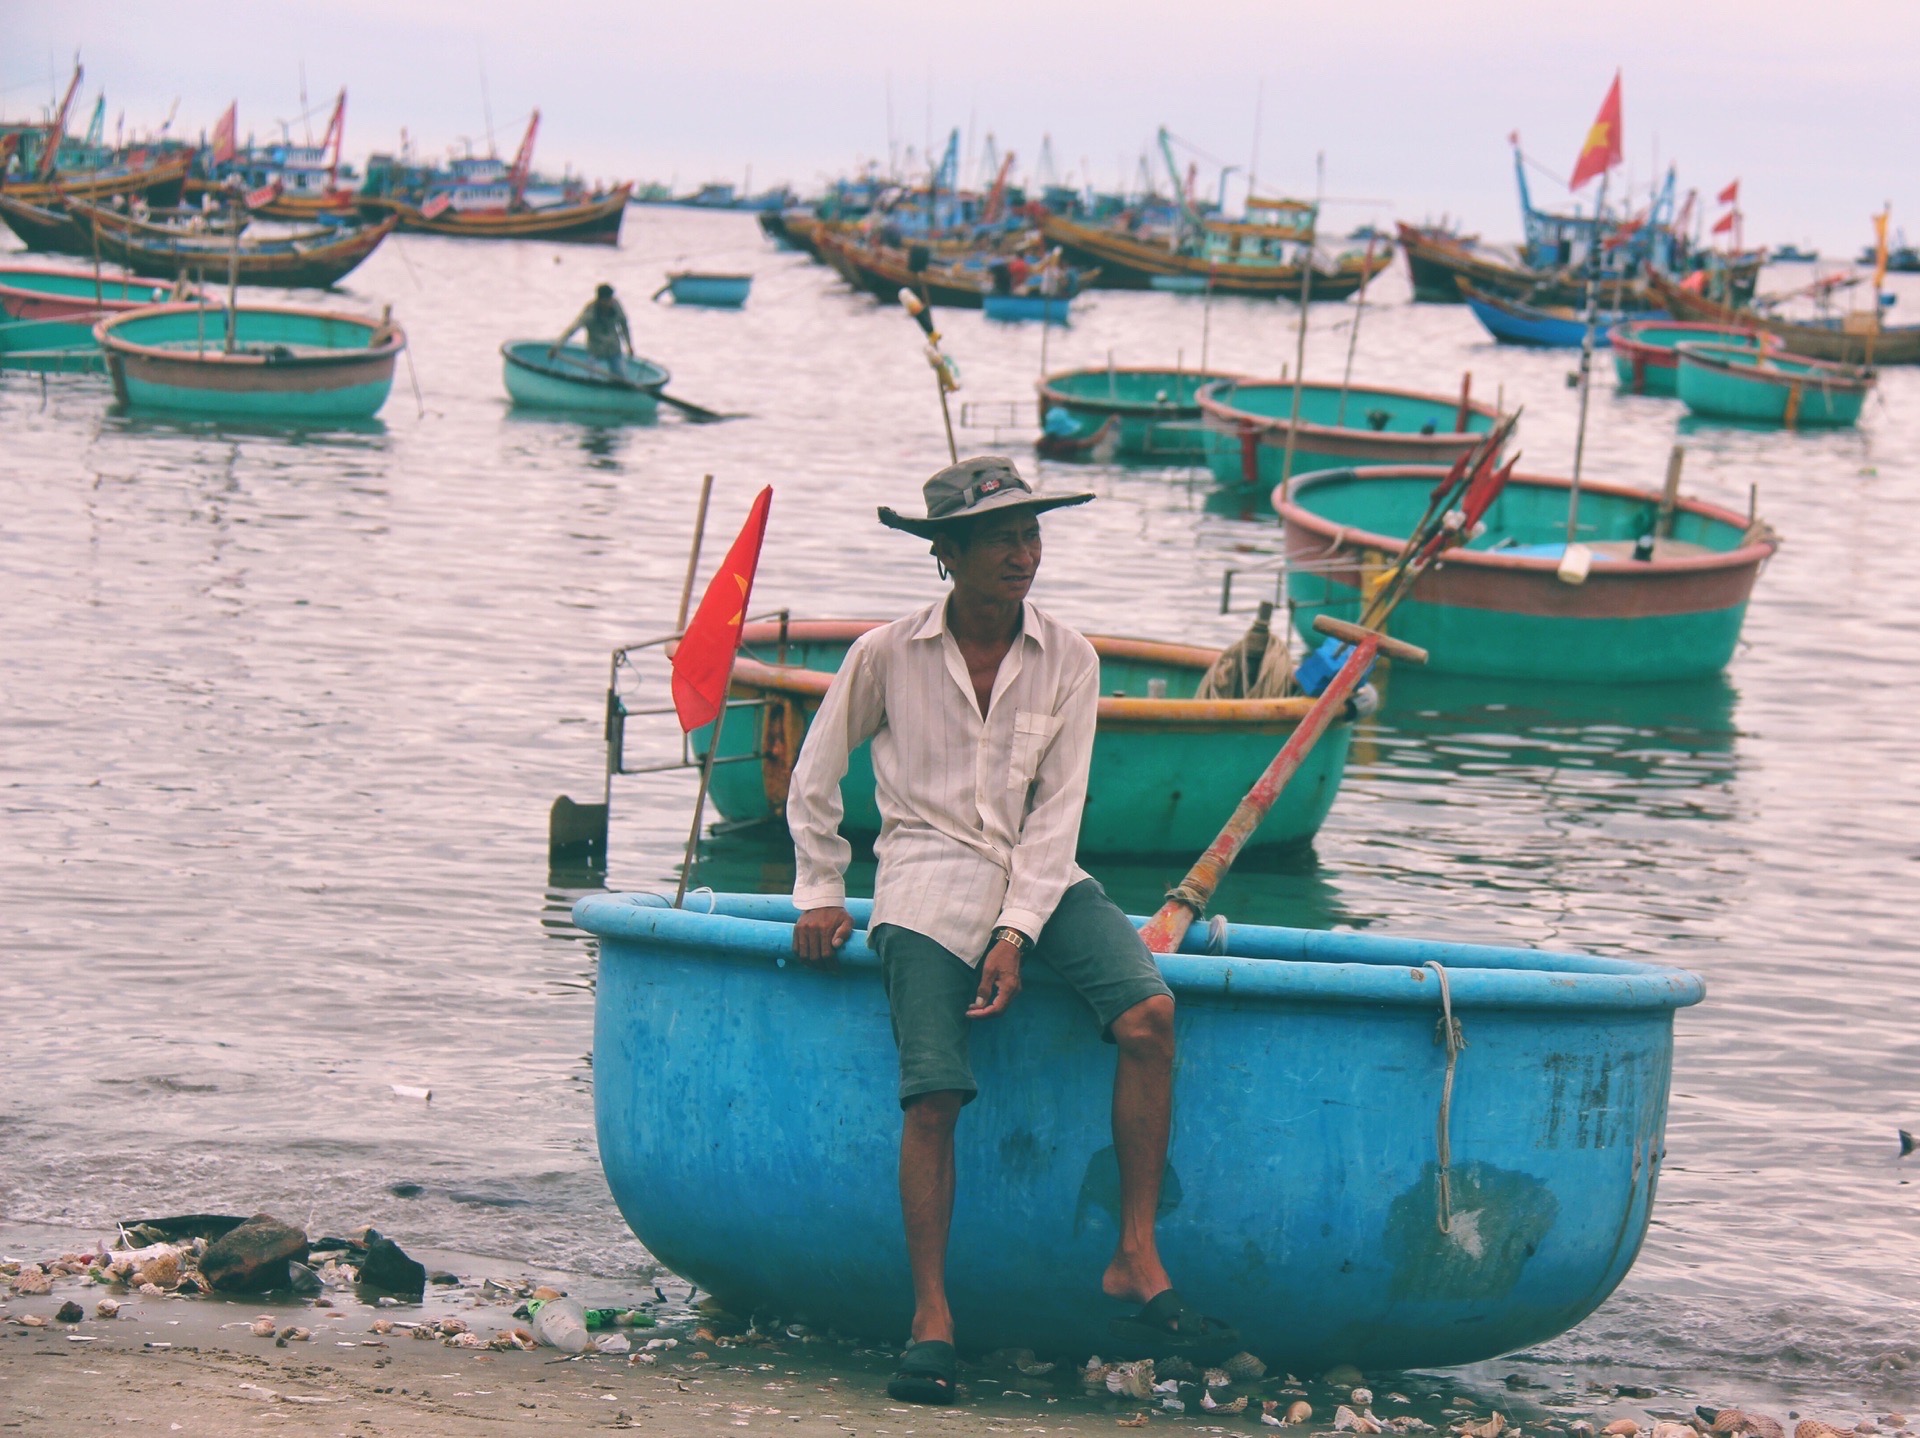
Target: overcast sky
x,y
1812,106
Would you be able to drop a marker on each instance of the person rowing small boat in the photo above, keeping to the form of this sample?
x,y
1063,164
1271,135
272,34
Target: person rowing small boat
x,y
981,712
605,321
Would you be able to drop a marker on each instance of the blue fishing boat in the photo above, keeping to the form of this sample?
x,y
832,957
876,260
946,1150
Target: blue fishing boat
x,y
1322,1192
1048,309
715,291
1513,323
1734,382
569,379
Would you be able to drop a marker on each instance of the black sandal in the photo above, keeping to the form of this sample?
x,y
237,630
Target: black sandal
x,y
929,1372
1167,1328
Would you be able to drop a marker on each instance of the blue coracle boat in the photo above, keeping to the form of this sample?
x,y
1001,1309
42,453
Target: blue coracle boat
x,y
1049,309
1513,323
749,1130
727,292
568,379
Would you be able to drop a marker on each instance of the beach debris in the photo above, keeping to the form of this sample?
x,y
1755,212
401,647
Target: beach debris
x,y
253,1257
151,1290
1139,1420
70,1312
303,1279
1580,1428
1740,1423
422,1330
162,1270
32,1281
1362,1397
1217,1378
561,1323
1622,1428
1237,1404
1907,1142
292,1334
1134,1380
1398,1398
1345,1420
1171,1403
407,1090
613,1343
31,1320
1814,1428
1246,1368
1343,1375
265,1326
387,1268
1298,1412
1093,1377
381,1325
106,1308
467,1340
1668,1429
1494,1425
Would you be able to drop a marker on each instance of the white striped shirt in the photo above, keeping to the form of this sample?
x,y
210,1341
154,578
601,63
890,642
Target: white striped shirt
x,y
979,815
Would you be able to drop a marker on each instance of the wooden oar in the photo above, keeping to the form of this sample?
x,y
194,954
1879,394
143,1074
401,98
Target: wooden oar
x,y
699,414
1189,900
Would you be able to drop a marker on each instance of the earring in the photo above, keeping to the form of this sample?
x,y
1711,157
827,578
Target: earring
x,y
943,570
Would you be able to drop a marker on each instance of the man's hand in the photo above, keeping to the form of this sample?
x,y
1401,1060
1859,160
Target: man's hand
x,y
999,981
818,935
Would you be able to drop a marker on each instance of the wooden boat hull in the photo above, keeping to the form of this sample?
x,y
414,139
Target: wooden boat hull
x,y
1890,345
1513,323
293,363
883,273
1146,796
1645,359
713,291
43,229
159,183
1723,382
1508,615
574,382
1158,409
1247,423
317,262
748,1128
1127,263
590,222
47,316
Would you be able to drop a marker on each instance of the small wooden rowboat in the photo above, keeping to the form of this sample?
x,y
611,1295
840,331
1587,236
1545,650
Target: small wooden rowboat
x,y
1497,606
1846,339
1248,421
1146,795
572,380
1513,323
594,221
47,315
284,363
1721,381
315,259
1158,409
715,291
44,229
748,1126
1644,351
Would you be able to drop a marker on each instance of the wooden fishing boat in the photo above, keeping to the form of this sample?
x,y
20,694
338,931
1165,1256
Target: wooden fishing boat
x,y
593,221
1443,267
47,316
316,259
1146,796
1247,423
1158,409
44,229
572,381
1644,351
1497,607
284,362
1734,382
1846,339
748,1126
1513,323
1132,262
159,181
945,277
714,291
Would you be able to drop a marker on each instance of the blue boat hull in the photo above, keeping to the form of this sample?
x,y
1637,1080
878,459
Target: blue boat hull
x,y
1051,309
714,291
748,1128
1520,325
572,381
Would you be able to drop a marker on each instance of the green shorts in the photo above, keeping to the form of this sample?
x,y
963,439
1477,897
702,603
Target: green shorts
x,y
1088,942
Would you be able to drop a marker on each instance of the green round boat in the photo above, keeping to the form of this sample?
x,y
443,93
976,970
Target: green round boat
x,y
47,315
1158,409
1646,357
1248,421
1167,772
1722,381
1497,606
570,379
283,362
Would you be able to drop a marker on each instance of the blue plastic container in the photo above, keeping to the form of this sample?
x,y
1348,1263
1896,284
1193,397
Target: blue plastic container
x,y
749,1129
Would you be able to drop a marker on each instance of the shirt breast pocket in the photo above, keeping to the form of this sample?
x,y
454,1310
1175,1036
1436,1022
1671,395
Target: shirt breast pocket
x,y
1033,731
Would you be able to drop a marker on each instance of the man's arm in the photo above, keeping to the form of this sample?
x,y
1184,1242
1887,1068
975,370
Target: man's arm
x,y
852,713
1043,859
579,323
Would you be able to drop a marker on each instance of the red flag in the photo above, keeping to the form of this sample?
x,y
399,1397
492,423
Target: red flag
x,y
703,659
1602,150
1626,231
1730,194
1724,225
223,128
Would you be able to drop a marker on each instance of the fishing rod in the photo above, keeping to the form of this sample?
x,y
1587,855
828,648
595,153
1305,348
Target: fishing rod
x,y
946,374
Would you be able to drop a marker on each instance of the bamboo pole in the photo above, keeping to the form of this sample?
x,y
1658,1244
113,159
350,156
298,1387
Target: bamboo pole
x,y
693,554
1299,363
1586,363
1353,335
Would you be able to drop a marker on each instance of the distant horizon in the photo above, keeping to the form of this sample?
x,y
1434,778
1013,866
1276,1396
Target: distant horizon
x,y
1410,109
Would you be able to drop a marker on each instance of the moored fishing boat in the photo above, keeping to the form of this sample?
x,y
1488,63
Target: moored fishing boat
x,y
714,291
1158,409
45,229
1146,796
256,362
1721,381
567,378
592,221
160,181
1497,606
1227,262
1559,327
1248,423
747,1119
1847,339
47,316
1645,357
313,259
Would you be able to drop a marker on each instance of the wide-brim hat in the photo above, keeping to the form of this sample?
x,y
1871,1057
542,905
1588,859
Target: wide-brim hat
x,y
982,485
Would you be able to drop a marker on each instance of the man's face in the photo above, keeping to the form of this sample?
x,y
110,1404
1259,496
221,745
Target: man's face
x,y
1000,559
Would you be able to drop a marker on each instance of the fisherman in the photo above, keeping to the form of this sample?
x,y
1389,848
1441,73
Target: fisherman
x,y
606,325
980,708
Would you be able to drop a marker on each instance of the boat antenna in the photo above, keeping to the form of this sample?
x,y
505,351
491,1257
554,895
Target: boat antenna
x,y
486,99
306,120
1586,359
1253,160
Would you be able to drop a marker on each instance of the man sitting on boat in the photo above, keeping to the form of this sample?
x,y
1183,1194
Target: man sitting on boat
x,y
605,322
981,710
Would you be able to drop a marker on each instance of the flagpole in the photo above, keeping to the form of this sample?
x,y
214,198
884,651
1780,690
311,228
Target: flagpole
x,y
1586,362
692,855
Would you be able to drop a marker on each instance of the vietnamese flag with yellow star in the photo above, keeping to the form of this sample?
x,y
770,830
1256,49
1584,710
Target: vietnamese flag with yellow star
x,y
703,660
1602,150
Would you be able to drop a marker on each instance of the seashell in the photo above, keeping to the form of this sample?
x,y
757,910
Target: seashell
x,y
1398,1398
1167,1385
466,1340
1093,1377
1246,1368
423,1330
162,1272
1495,1425
32,1281
1174,1405
1033,1368
382,1325
291,1335
1139,1420
70,1312
31,1320
1298,1412
450,1326
1271,1421
1665,1429
1346,1420
1362,1397
1217,1378
1580,1428
106,1308
1236,1405
1622,1428
265,1327
1814,1428
1132,1380
151,1290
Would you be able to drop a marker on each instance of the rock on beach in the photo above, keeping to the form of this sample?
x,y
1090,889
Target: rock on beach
x,y
253,1257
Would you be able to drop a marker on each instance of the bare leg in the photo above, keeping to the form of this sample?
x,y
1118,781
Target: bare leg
x,y
1142,1115
926,1203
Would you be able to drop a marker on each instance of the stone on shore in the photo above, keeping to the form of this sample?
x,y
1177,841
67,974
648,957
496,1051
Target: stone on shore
x,y
253,1258
387,1268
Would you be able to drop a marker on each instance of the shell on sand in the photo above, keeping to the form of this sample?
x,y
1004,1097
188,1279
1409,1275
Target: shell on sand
x,y
1298,1412
1493,1427
106,1308
1362,1397
1738,1421
1348,1421
1673,1430
1246,1368
1132,1380
265,1327
1622,1428
1814,1428
1238,1405
1217,1378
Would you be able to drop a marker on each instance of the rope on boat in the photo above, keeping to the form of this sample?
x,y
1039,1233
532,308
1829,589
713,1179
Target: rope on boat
x,y
1454,1037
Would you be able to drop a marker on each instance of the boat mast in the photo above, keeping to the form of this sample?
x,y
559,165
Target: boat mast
x,y
1586,359
57,127
523,160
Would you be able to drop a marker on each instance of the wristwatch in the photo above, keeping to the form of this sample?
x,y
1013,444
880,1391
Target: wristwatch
x,y
1006,934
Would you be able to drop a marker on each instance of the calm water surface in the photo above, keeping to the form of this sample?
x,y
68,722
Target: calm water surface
x,y
281,715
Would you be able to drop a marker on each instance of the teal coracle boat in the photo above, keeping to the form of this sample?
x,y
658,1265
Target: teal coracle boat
x,y
282,362
1646,352
1247,422
748,1127
47,316
1158,409
1167,769
1497,606
1726,382
714,291
572,380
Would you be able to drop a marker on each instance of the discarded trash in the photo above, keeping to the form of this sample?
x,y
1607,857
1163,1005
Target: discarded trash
x,y
560,1323
613,1343
401,1090
253,1257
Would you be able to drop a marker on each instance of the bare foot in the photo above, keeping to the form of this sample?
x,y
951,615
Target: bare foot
x,y
1136,1276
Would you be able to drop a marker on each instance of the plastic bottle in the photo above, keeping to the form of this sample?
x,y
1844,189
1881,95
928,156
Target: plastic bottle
x,y
561,1323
